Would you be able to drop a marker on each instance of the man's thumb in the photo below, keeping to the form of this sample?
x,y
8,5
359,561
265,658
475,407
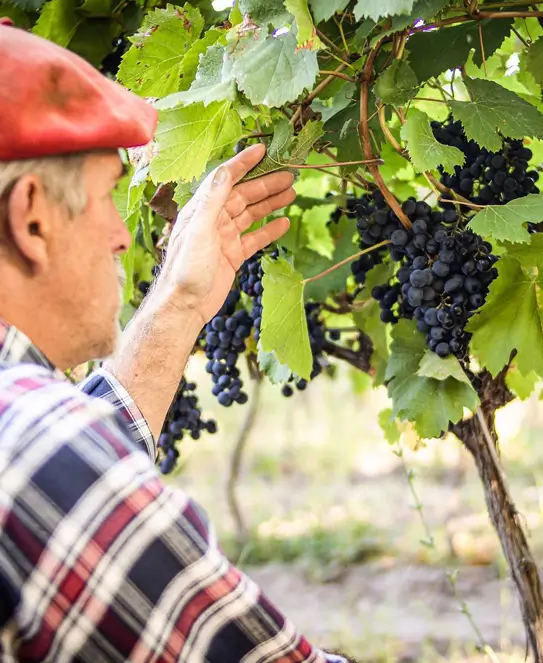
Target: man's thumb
x,y
214,191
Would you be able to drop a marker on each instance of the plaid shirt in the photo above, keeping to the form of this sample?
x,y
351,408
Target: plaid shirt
x,y
99,561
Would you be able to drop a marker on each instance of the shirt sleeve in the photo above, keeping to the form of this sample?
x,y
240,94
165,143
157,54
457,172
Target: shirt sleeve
x,y
120,567
102,384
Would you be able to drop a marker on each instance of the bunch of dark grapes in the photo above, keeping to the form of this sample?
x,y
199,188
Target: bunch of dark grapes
x,y
250,282
225,337
444,274
487,178
317,341
184,418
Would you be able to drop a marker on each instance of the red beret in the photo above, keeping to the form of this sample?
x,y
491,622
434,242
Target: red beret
x,y
53,102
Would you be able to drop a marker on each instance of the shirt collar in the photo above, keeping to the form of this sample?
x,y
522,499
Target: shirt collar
x,y
17,348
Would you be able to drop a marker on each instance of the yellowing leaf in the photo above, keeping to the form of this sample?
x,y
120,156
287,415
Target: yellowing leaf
x,y
307,34
152,65
186,139
284,325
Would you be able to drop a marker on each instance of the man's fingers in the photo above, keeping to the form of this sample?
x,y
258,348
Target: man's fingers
x,y
263,208
253,192
259,239
245,161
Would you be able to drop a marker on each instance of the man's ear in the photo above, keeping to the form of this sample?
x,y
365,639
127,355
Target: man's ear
x,y
29,222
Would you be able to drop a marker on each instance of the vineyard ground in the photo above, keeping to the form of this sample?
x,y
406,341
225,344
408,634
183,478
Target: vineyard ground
x,y
334,539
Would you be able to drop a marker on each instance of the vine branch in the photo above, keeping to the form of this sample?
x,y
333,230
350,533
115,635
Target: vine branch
x,y
366,140
347,260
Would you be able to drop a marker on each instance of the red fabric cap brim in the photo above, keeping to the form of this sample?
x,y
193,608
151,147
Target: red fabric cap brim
x,y
54,102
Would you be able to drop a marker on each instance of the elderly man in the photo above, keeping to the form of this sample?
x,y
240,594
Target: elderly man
x,y
98,560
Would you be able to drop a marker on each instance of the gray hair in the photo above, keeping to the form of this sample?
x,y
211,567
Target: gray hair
x,y
62,178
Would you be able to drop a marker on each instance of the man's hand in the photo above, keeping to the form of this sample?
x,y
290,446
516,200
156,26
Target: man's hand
x,y
207,245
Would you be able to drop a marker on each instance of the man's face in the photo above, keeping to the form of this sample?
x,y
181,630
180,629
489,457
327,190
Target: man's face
x,y
87,255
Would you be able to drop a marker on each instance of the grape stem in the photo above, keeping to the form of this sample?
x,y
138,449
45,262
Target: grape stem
x,y
312,95
466,203
347,260
319,166
367,76
325,72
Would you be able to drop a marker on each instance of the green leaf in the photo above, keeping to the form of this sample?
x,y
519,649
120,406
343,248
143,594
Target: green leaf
x,y
319,238
190,62
186,138
522,386
431,53
284,325
58,21
311,264
152,65
532,60
16,14
306,36
375,9
425,151
93,38
127,199
270,71
511,318
299,148
397,84
493,109
507,222
429,403
263,12
324,9
432,366
214,81
422,10
388,425
276,372
303,144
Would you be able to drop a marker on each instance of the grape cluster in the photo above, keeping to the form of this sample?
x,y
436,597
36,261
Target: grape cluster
x,y
487,178
443,278
184,417
250,282
225,337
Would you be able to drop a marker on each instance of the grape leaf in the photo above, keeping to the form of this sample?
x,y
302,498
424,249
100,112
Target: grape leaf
x,y
310,264
58,21
506,222
324,9
429,403
283,140
493,109
511,317
422,10
270,71
397,84
263,12
189,64
432,366
388,425
375,9
214,81
127,198
521,385
304,141
152,65
532,60
425,151
431,53
284,325
276,372
319,238
93,38
306,36
186,138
